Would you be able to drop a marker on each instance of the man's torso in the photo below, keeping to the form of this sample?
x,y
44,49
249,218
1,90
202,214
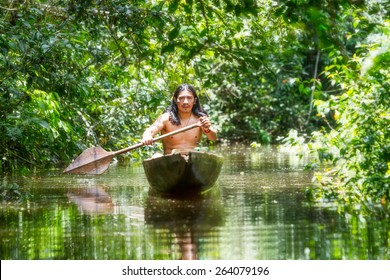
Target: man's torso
x,y
185,140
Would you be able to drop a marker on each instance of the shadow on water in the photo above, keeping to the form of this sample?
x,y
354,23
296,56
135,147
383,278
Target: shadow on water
x,y
187,218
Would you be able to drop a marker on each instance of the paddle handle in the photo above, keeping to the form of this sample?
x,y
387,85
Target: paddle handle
x,y
157,138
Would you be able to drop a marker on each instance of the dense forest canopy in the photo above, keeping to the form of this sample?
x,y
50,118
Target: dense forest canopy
x,y
81,73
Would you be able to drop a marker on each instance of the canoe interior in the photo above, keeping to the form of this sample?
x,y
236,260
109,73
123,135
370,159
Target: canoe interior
x,y
177,174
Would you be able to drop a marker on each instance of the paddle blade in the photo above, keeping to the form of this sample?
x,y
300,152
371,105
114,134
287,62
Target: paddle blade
x,y
93,161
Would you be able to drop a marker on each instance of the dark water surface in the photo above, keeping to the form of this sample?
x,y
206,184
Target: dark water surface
x,y
257,211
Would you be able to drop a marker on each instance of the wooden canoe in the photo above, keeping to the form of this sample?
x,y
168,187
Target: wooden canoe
x,y
177,174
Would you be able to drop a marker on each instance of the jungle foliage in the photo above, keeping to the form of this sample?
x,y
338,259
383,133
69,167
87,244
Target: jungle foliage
x,y
81,73
358,147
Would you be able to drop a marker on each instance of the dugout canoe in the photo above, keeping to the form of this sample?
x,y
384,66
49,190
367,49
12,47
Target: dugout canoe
x,y
196,172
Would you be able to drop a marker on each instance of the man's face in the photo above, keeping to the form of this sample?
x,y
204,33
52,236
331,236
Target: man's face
x,y
185,101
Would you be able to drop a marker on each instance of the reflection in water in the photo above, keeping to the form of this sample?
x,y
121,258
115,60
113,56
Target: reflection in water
x,y
187,219
92,200
258,212
188,246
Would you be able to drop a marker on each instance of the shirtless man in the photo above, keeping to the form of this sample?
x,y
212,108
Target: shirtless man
x,y
185,109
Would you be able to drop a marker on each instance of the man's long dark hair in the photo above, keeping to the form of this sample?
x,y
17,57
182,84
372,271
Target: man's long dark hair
x,y
173,111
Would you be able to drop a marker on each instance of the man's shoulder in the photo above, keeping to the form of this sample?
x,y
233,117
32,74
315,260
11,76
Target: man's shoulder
x,y
164,117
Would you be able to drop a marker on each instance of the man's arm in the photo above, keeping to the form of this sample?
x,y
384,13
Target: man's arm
x,y
207,129
151,131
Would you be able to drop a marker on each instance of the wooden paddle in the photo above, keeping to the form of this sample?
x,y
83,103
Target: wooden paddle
x,y
95,160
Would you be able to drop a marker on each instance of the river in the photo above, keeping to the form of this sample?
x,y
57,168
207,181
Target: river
x,y
257,210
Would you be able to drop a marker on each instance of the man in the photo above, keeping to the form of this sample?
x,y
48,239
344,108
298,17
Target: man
x,y
185,109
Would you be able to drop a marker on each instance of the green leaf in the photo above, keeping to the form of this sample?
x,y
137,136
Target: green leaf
x,y
170,47
173,6
174,33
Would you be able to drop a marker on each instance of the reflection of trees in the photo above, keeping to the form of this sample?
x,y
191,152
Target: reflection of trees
x,y
188,220
278,223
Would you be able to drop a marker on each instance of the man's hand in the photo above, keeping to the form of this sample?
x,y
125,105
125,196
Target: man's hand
x,y
205,123
147,139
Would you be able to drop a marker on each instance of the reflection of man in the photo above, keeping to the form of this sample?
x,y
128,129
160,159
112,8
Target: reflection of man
x,y
187,245
184,110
